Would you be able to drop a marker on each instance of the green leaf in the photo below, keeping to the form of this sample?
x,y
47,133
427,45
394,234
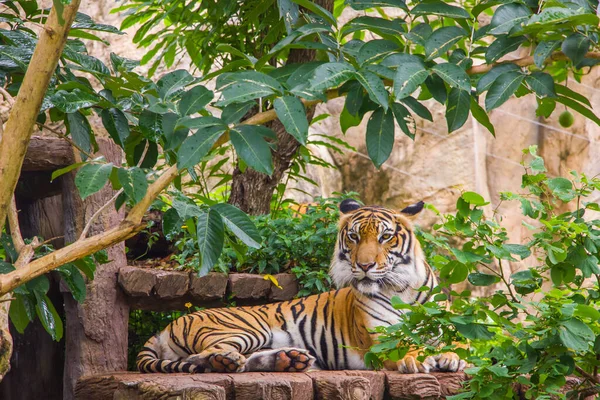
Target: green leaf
x,y
486,80
550,17
576,335
453,75
585,311
233,112
48,316
239,223
248,85
374,87
408,78
87,264
330,75
134,183
116,125
194,100
70,102
318,10
151,125
252,148
91,178
474,331
201,122
543,50
575,47
518,249
442,39
439,8
481,279
566,92
186,208
502,46
292,115
541,83
21,312
403,117
389,29
80,130
171,222
562,188
375,50
502,88
210,234
195,147
418,108
481,116
366,4
172,83
586,112
473,198
507,16
380,136
457,108
75,282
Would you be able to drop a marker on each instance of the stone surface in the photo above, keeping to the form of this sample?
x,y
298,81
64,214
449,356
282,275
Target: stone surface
x,y
137,281
171,284
248,287
411,386
332,382
289,288
209,287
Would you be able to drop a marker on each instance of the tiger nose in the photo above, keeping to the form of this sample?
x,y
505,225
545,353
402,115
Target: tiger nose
x,y
366,266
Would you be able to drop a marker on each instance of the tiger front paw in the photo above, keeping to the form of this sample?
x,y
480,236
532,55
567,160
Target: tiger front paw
x,y
410,365
449,362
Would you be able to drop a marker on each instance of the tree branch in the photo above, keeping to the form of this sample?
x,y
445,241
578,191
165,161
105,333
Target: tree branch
x,y
23,115
15,229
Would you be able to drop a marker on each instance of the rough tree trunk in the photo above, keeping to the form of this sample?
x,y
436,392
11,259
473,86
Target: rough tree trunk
x,y
96,331
251,191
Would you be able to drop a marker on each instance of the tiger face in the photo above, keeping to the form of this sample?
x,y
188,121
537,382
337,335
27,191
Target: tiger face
x,y
376,249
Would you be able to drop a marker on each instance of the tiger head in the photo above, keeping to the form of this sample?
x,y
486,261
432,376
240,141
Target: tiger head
x,y
376,249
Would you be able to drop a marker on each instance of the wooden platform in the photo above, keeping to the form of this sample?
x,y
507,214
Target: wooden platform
x,y
326,385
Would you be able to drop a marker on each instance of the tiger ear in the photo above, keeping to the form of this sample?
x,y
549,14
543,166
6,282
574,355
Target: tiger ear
x,y
349,205
413,209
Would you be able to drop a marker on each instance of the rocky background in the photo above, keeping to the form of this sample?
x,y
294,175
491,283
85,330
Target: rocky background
x,y
436,167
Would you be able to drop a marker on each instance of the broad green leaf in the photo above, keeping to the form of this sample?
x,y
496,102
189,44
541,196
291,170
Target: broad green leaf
x,y
481,116
453,75
292,115
576,335
439,8
62,171
172,83
186,208
442,39
70,102
21,312
585,311
234,112
437,88
408,78
419,33
354,98
418,108
239,223
87,264
457,108
151,125
374,87
134,183
330,75
502,46
91,178
75,282
541,83
551,17
503,87
374,50
388,29
474,331
115,123
86,63
48,316
486,80
518,249
366,4
252,148
566,92
289,12
473,198
194,100
195,147
380,136
507,16
543,50
210,235
348,120
481,279
575,47
171,222
318,10
248,85
562,188
200,122
80,130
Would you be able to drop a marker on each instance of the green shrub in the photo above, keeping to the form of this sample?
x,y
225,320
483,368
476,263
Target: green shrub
x,y
536,325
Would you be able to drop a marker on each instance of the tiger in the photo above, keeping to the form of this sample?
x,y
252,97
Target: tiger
x,y
376,256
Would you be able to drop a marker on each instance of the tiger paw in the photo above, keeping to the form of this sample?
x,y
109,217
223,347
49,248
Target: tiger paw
x,y
227,362
410,365
293,360
449,362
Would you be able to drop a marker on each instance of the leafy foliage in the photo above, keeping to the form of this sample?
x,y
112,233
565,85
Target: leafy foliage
x,y
541,323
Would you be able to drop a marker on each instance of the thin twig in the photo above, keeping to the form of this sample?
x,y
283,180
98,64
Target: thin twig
x,y
4,300
15,230
65,137
587,375
97,214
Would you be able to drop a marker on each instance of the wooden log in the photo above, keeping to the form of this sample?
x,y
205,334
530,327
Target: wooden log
x,y
47,154
340,386
412,386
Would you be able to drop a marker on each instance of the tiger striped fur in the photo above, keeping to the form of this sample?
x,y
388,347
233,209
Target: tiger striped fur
x,y
376,257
